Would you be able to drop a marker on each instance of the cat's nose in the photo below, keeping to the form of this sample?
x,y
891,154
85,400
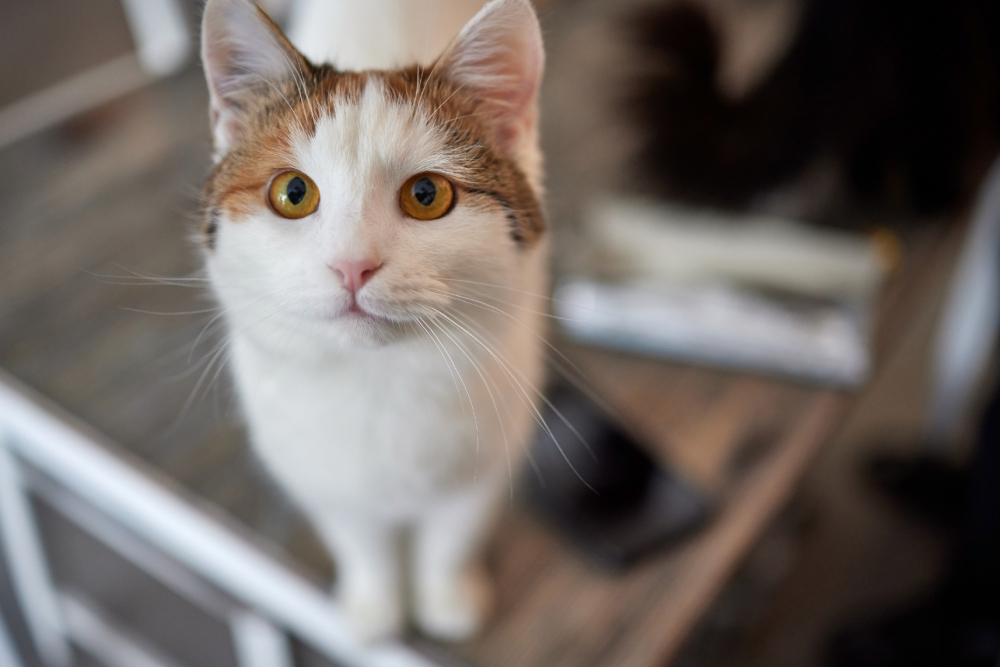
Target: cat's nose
x,y
354,274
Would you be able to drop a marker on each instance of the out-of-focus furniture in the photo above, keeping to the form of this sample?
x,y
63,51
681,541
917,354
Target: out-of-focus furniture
x,y
162,46
166,485
137,530
967,335
747,438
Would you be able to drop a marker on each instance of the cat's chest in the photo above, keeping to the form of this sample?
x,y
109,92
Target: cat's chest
x,y
355,427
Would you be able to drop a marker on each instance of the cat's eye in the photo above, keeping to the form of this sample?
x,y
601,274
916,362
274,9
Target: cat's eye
x,y
293,194
426,196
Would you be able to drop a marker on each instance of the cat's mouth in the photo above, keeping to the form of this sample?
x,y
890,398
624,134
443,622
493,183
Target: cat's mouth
x,y
355,310
358,313
368,311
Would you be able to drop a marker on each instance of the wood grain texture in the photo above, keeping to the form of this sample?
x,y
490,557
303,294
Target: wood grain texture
x,y
92,216
748,439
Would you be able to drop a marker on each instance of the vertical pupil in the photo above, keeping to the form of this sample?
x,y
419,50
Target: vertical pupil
x,y
424,191
296,190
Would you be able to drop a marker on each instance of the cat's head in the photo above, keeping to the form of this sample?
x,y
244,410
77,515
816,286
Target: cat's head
x,y
350,204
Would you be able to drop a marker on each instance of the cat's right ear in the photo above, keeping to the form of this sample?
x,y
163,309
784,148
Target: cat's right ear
x,y
498,58
241,48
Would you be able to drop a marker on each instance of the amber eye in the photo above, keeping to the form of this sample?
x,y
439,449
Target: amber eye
x,y
426,196
293,194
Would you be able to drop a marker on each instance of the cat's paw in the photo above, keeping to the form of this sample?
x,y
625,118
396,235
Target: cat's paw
x,y
373,619
454,610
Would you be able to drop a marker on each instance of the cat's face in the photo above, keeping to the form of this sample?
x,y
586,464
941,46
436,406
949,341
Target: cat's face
x,y
348,206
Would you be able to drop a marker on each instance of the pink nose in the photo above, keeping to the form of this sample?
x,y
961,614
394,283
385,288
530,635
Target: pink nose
x,y
354,274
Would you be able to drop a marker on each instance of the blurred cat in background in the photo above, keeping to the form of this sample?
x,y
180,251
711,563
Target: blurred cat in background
x,y
903,97
376,239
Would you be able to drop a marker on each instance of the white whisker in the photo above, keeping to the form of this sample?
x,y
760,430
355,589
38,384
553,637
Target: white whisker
x,y
503,431
472,405
178,312
578,378
504,365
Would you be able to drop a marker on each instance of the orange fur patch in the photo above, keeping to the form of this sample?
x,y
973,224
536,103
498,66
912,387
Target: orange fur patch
x,y
238,183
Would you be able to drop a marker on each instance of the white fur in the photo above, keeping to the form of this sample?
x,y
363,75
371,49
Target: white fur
x,y
237,50
388,428
377,34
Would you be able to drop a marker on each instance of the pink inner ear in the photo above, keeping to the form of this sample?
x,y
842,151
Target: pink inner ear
x,y
520,101
240,47
499,56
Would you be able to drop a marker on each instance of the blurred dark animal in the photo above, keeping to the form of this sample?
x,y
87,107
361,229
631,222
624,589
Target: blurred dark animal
x,y
905,96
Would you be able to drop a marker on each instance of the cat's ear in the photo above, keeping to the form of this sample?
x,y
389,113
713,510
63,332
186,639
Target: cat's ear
x,y
499,58
241,48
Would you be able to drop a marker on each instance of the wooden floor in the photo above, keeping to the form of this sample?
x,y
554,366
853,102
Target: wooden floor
x,y
77,248
95,221
748,440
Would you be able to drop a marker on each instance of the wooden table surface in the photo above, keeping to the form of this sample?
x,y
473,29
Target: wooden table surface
x,y
88,216
747,439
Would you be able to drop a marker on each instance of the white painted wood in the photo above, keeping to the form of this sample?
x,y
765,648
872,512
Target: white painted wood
x,y
160,34
258,642
103,639
969,324
163,44
70,454
26,561
153,562
63,100
8,652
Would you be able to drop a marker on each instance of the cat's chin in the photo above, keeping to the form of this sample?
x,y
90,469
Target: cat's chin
x,y
361,331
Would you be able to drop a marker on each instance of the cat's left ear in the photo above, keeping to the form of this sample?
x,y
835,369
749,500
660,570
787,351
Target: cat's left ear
x,y
240,49
498,57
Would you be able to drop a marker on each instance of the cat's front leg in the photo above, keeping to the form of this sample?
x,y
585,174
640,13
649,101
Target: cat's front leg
x,y
369,585
453,593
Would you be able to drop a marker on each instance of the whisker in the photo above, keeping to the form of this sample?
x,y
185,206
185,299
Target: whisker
x,y
503,363
578,378
137,279
273,87
448,363
179,312
223,346
197,387
503,431
177,278
150,283
446,100
197,340
457,118
472,301
544,398
500,311
472,405
514,289
502,287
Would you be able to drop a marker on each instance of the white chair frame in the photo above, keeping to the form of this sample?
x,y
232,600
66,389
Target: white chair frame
x,y
51,458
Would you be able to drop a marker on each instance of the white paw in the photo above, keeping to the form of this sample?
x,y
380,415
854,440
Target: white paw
x,y
372,618
454,610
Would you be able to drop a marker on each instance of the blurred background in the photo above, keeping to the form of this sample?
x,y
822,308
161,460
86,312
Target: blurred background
x,y
776,244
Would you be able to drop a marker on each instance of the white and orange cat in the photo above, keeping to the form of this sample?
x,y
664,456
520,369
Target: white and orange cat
x,y
376,240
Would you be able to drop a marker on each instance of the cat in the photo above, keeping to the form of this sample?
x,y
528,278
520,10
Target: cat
x,y
377,243
901,95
